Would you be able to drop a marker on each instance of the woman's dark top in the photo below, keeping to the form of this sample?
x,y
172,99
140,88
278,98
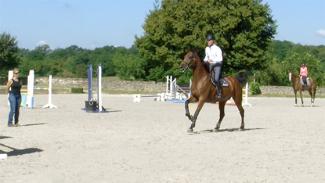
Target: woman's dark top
x,y
15,87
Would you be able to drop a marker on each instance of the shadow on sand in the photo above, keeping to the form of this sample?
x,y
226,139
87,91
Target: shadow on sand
x,y
107,110
304,105
4,137
223,130
17,152
33,124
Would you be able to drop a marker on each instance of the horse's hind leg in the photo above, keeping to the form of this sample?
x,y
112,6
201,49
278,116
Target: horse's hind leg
x,y
314,94
311,96
221,114
241,111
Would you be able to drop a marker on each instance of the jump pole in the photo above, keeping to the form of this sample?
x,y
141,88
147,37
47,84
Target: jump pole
x,y
167,84
49,104
90,82
99,88
92,105
10,76
173,87
246,97
3,156
30,89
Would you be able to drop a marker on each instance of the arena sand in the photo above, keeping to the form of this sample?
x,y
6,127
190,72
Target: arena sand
x,y
148,142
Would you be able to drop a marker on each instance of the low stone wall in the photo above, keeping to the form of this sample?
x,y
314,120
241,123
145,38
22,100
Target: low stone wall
x,y
113,85
286,91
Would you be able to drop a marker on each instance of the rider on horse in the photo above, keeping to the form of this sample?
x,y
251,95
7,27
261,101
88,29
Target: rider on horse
x,y
304,73
213,56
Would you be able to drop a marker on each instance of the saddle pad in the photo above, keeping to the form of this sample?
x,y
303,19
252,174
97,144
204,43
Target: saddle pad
x,y
224,82
302,81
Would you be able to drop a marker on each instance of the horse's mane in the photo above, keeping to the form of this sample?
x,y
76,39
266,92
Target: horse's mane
x,y
204,64
294,74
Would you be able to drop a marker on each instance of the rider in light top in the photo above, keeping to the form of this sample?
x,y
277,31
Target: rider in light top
x,y
213,56
304,73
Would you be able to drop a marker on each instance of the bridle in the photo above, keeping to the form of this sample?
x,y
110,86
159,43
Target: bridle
x,y
189,65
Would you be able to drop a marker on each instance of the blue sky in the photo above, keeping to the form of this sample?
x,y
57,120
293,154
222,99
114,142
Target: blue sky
x,y
96,23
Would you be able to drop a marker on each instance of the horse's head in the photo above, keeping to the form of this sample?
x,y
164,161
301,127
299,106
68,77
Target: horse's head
x,y
292,76
189,60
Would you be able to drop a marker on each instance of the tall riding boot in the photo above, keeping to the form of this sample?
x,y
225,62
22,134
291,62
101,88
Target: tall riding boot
x,y
219,90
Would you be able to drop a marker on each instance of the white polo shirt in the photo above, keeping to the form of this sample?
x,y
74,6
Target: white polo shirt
x,y
213,53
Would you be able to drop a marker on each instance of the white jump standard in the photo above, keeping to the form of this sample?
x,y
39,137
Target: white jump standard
x,y
49,104
246,103
94,105
30,90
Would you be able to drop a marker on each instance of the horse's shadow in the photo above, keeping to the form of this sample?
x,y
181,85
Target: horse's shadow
x,y
223,130
306,105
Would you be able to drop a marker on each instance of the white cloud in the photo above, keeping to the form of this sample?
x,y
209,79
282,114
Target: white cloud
x,y
40,43
321,32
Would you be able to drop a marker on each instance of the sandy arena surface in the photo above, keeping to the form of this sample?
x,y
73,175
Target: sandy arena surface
x,y
148,142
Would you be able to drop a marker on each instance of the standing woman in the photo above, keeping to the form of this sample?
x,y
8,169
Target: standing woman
x,y
13,88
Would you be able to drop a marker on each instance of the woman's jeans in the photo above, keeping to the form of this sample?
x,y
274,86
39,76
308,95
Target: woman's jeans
x,y
14,101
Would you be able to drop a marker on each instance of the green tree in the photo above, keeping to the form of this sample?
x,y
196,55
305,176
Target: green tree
x,y
243,29
9,56
129,67
286,56
294,60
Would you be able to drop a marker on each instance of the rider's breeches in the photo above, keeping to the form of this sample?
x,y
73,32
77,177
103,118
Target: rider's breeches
x,y
304,79
217,68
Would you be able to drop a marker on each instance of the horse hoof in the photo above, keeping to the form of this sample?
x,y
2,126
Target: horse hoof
x,y
241,128
190,130
216,130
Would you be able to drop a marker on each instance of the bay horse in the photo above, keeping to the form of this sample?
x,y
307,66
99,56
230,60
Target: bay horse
x,y
297,86
203,91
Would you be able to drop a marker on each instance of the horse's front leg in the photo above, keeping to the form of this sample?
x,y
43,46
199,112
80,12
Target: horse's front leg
x,y
295,97
302,101
312,96
197,111
187,111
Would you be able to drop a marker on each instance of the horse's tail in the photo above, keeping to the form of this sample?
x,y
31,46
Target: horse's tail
x,y
242,77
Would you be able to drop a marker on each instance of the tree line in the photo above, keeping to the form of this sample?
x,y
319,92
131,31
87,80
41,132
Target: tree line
x,y
244,30
128,64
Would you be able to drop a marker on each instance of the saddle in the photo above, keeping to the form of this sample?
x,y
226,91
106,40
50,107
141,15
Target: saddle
x,y
223,82
302,82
